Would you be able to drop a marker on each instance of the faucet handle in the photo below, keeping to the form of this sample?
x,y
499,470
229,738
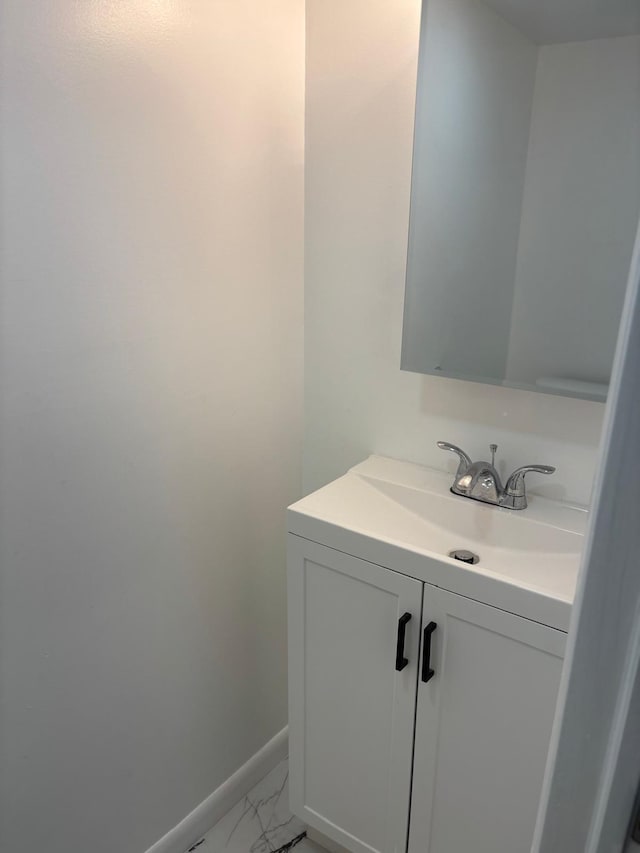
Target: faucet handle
x,y
465,461
515,493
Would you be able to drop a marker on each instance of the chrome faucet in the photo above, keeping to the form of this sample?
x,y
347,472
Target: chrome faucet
x,y
481,482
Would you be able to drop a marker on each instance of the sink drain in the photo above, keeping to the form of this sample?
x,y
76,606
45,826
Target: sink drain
x,y
464,556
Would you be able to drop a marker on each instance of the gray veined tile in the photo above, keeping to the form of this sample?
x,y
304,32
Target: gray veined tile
x,y
260,823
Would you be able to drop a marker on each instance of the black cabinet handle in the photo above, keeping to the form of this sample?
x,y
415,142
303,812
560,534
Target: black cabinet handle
x,y
427,672
401,660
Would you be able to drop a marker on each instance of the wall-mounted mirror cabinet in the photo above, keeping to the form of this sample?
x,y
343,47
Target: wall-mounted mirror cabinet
x,y
525,193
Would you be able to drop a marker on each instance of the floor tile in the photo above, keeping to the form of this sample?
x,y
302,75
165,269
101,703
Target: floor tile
x,y
261,822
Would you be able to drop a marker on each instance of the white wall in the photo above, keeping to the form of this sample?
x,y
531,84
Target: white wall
x,y
472,134
580,210
361,73
150,409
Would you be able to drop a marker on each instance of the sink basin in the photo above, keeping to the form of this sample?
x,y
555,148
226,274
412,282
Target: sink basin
x,y
499,537
385,504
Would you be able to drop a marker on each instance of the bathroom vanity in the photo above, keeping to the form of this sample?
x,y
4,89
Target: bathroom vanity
x,y
422,689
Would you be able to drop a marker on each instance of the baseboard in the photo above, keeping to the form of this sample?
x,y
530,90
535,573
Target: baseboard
x,y
209,812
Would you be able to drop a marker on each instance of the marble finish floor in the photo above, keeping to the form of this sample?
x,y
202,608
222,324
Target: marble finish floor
x,y
260,823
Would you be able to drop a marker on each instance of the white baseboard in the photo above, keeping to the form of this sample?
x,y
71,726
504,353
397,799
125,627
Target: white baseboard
x,y
209,812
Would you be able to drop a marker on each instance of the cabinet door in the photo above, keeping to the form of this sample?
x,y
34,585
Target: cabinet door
x,y
351,710
483,726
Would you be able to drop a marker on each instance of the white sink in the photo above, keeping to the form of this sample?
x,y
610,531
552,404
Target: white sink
x,y
500,537
386,504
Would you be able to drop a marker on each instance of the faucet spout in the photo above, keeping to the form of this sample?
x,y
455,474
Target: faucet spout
x,y
481,482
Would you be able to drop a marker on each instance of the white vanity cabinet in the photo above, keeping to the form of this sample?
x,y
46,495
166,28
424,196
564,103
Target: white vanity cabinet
x,y
483,724
419,718
351,704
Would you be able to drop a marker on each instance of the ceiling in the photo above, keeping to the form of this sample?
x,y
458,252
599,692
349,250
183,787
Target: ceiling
x,y
553,21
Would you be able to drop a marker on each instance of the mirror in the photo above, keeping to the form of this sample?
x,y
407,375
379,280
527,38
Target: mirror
x,y
525,191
